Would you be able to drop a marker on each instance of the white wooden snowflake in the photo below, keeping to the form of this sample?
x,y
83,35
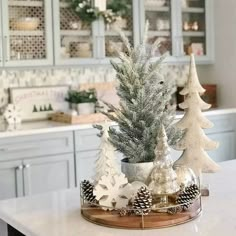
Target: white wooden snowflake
x,y
12,114
111,191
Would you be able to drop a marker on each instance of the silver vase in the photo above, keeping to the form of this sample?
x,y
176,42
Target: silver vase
x,y
136,171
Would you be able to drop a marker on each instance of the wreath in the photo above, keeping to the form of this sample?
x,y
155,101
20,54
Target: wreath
x,y
88,13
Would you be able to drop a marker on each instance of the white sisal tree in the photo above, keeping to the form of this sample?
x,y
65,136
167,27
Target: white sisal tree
x,y
106,163
195,142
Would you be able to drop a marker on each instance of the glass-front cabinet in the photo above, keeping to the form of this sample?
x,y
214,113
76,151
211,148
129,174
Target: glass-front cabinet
x,y
123,22
182,27
75,41
78,42
50,32
158,14
26,32
196,28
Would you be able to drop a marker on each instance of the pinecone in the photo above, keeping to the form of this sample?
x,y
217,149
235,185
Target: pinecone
x,y
87,190
187,196
142,202
123,211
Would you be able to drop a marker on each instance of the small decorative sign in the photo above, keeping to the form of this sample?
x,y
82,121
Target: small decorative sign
x,y
36,103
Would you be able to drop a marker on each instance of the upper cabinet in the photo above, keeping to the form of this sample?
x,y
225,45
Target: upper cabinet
x,y
78,42
197,29
49,32
181,27
75,41
26,32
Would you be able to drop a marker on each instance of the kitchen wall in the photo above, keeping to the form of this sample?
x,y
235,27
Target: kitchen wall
x,y
223,71
70,76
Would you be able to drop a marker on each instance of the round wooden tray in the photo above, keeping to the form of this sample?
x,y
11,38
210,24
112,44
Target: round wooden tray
x,y
151,221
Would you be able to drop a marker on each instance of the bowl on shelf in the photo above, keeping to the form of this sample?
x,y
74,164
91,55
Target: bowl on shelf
x,y
113,47
75,25
24,23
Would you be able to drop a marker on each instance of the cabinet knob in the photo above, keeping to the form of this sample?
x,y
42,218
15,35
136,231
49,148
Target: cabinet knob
x,y
20,167
27,166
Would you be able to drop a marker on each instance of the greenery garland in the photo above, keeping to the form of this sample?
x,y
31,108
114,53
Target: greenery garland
x,y
85,10
88,13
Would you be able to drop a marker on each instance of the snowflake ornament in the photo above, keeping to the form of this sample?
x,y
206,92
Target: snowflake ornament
x,y
12,114
111,192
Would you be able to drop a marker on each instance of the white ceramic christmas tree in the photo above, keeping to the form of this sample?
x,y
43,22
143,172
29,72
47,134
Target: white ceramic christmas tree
x,y
195,142
106,163
163,177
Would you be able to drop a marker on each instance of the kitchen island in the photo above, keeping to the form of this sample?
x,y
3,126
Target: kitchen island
x,y
58,213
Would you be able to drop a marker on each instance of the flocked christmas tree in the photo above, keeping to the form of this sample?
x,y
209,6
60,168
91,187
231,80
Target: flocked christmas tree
x,y
145,103
106,163
195,142
163,177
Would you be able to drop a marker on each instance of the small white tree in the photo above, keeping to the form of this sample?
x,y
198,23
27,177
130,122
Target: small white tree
x,y
195,142
106,163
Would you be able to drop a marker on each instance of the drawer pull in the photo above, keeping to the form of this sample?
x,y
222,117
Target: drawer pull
x,y
20,167
27,166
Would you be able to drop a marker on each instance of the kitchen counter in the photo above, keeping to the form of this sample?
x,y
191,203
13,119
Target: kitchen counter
x,y
41,127
58,213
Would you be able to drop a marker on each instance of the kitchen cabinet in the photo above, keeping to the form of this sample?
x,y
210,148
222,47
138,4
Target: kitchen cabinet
x,y
181,27
79,43
36,175
26,33
37,33
34,164
11,179
85,165
48,173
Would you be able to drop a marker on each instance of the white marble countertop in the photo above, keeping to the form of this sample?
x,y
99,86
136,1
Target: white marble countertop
x,y
40,127
58,213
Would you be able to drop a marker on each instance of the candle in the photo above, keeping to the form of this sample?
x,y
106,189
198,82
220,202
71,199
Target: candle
x,y
100,4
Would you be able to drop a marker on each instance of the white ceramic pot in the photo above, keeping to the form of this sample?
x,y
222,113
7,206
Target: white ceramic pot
x,y
86,108
136,171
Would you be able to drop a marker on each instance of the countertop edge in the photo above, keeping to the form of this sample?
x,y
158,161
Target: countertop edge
x,y
43,127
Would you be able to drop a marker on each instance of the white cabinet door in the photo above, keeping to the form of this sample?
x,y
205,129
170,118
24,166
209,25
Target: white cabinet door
x,y
11,179
49,173
27,33
85,165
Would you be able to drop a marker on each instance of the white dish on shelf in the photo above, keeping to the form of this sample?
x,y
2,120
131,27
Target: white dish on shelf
x,y
25,23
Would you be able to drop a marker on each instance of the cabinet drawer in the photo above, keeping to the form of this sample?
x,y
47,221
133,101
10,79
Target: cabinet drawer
x,y
87,140
222,123
36,145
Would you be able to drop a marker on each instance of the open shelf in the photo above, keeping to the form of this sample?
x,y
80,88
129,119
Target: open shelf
x,y
155,8
114,33
193,33
193,10
158,33
26,33
76,32
25,4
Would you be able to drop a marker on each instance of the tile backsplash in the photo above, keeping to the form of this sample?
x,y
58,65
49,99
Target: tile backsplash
x,y
71,76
